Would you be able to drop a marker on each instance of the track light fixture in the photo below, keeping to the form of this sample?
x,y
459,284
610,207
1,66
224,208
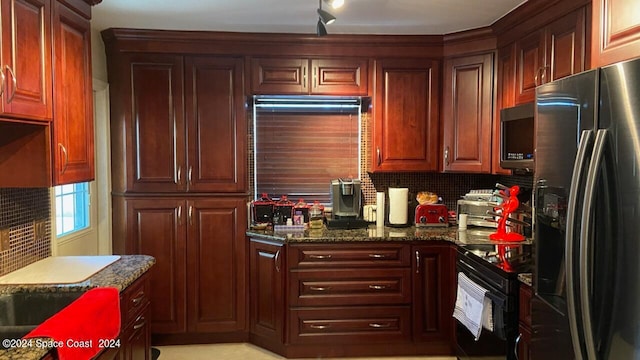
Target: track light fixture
x,y
320,29
325,18
335,3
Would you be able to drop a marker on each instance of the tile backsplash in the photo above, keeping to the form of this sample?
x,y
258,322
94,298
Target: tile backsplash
x,y
19,209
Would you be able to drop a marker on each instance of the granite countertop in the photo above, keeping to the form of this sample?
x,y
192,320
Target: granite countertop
x,y
372,234
525,278
119,274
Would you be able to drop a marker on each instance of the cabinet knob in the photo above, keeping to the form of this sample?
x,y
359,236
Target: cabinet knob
x,y
189,174
380,326
377,256
3,78
180,215
276,261
190,215
140,321
379,155
179,174
417,262
515,348
446,156
377,287
66,157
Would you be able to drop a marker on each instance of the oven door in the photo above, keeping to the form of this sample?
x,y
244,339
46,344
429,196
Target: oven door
x,y
496,344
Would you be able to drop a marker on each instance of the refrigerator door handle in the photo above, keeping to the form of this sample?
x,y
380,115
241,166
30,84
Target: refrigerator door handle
x,y
585,140
587,241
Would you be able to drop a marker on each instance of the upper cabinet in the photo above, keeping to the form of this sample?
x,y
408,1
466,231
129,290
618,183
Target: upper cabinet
x,y
73,144
25,77
616,31
550,53
163,100
406,117
284,76
506,82
467,113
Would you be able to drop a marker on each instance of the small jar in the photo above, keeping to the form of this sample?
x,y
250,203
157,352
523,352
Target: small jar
x,y
316,216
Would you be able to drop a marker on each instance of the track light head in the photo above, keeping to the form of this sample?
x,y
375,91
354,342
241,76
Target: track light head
x,y
320,29
326,17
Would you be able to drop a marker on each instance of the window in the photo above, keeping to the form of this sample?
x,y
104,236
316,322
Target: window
x,y
301,147
72,208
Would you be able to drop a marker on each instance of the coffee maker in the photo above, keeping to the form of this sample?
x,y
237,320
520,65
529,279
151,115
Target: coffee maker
x,y
346,198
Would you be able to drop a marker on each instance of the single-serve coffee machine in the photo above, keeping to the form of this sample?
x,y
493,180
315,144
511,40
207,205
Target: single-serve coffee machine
x,y
346,198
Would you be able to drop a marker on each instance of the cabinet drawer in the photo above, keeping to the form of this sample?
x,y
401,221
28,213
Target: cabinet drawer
x,y
350,287
348,255
350,325
525,305
134,299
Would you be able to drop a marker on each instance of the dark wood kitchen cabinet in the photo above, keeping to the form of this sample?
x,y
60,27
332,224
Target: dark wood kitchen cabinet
x,y
433,295
283,76
467,113
26,80
505,97
175,132
198,281
267,274
406,115
523,340
616,31
135,336
557,50
73,143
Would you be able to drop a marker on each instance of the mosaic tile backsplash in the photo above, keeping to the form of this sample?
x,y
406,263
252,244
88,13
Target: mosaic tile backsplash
x,y
19,208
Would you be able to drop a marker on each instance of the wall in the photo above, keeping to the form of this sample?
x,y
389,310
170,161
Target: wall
x,y
98,57
19,208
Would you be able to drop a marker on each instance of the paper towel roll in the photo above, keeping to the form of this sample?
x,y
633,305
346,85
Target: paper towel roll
x,y
380,209
398,205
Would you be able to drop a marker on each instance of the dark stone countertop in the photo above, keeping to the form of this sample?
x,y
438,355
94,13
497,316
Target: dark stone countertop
x,y
525,278
374,234
120,274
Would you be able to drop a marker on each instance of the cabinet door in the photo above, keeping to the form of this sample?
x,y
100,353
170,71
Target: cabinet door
x,y
467,113
529,66
73,120
266,277
280,76
523,343
155,147
216,124
156,227
433,293
505,98
406,115
136,339
340,76
565,46
26,59
616,31
216,265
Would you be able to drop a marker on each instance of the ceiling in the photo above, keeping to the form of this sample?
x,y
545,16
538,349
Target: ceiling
x,y
407,17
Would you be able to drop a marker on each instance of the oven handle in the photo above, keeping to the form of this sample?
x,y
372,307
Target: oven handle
x,y
493,294
471,271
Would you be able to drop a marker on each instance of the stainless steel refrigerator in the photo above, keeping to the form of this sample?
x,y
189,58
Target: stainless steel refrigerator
x,y
587,216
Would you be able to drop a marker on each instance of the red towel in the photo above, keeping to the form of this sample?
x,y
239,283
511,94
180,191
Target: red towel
x,y
83,328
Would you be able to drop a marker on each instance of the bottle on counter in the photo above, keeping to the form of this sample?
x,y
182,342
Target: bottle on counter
x,y
301,209
316,215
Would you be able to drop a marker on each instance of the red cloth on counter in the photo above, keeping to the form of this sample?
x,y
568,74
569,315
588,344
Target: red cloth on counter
x,y
82,328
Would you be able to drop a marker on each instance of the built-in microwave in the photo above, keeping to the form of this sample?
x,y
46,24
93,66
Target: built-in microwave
x,y
517,137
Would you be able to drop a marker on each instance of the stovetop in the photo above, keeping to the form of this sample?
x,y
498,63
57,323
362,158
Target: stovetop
x,y
511,259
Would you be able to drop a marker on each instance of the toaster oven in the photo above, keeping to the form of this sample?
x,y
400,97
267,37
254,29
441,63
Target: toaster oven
x,y
476,211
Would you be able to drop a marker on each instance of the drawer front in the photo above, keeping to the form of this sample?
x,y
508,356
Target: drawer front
x,y
349,255
134,298
339,325
350,287
525,305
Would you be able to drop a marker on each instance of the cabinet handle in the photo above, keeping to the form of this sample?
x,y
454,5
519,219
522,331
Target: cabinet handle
x,y
446,156
136,301
515,348
377,256
320,257
304,77
379,154
180,215
2,81
315,77
179,175
190,215
379,326
189,174
66,158
276,261
15,83
321,327
319,288
377,287
417,262
540,75
140,320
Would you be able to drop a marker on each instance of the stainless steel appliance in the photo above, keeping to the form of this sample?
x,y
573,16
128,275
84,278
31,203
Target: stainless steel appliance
x,y
587,206
494,268
517,137
476,211
346,198
429,215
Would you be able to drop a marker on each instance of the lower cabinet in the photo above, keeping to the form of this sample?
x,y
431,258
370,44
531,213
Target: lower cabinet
x,y
524,337
198,291
135,336
350,299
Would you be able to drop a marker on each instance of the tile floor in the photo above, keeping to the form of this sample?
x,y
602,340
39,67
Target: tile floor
x,y
245,351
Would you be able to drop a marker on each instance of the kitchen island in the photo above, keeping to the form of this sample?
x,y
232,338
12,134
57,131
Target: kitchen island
x,y
362,292
129,274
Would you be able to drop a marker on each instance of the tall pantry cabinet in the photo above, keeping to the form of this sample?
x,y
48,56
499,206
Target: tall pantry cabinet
x,y
178,138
